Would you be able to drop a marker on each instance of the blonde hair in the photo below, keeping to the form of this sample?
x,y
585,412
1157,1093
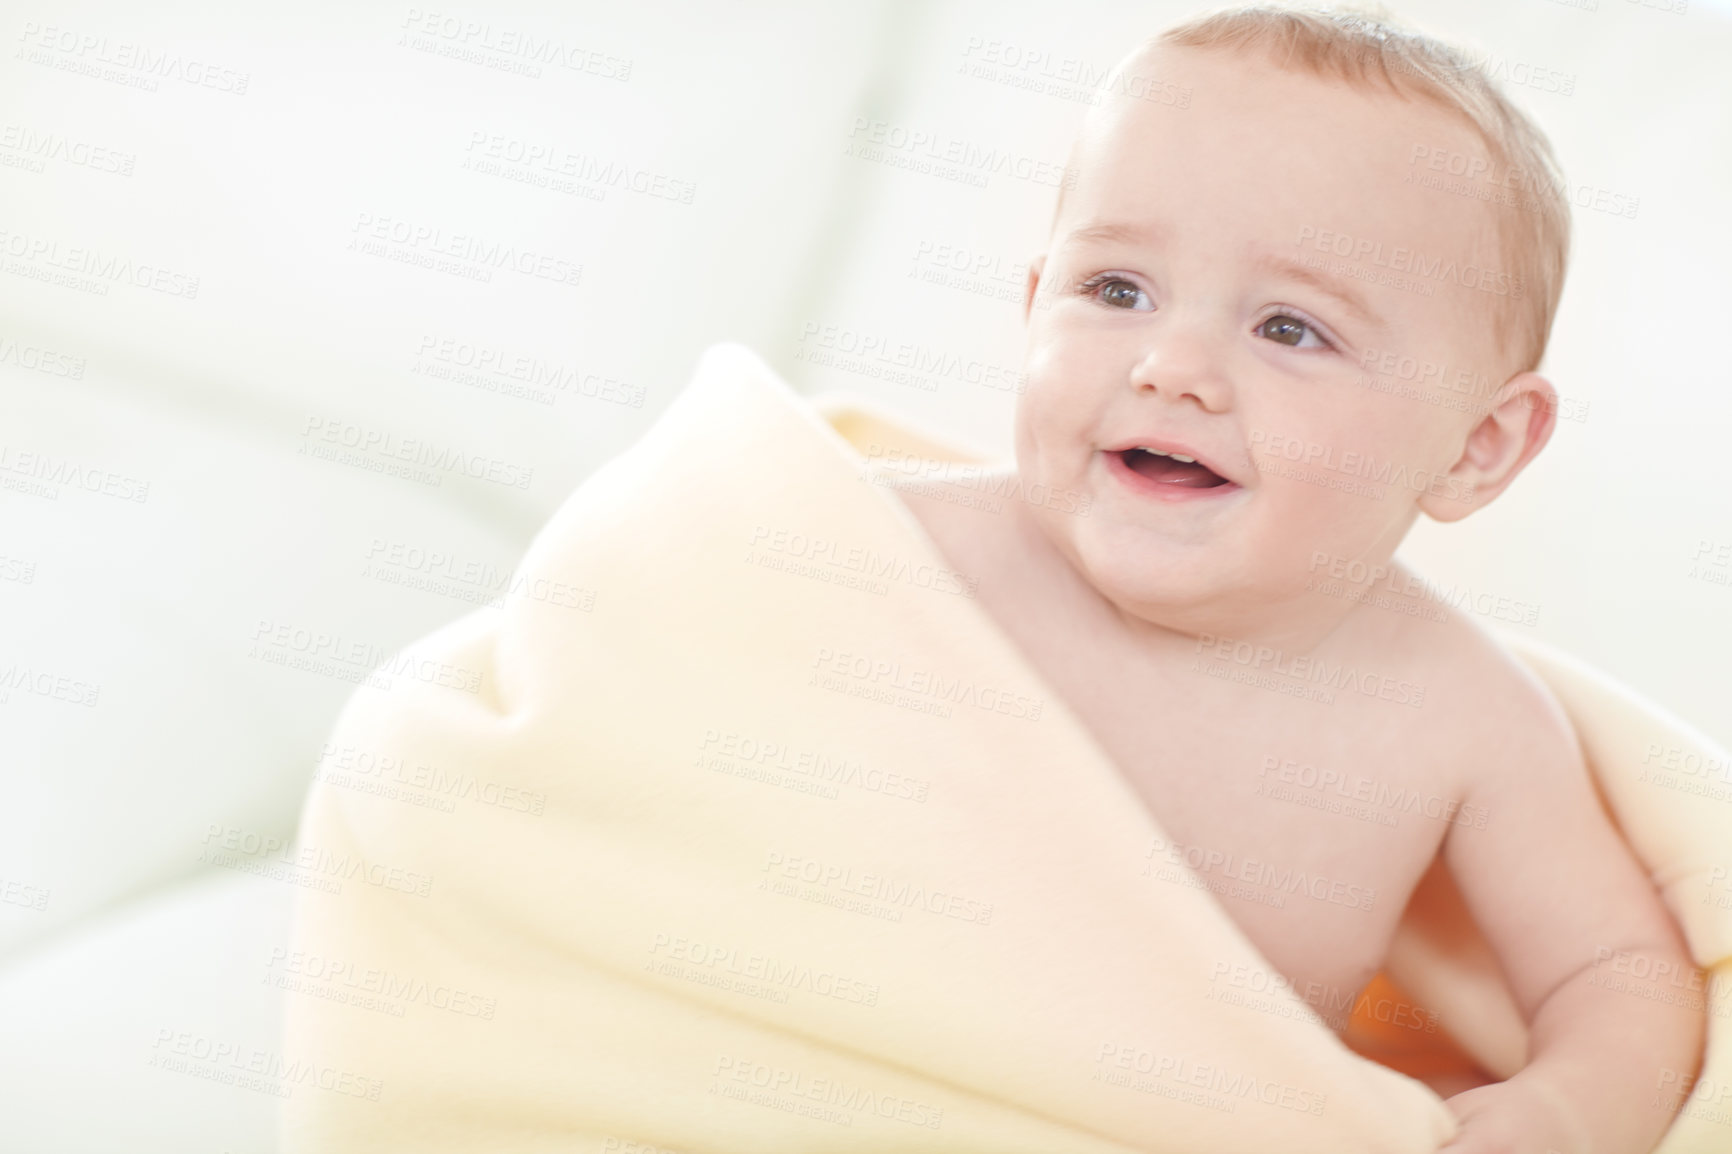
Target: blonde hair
x,y
1365,50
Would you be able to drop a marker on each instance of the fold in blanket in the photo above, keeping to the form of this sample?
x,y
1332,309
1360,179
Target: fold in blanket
x,y
740,826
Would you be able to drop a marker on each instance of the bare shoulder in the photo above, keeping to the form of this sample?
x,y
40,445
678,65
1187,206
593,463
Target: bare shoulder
x,y
1498,714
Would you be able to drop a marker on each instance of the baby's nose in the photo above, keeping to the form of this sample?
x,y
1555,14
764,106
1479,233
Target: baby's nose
x,y
1178,365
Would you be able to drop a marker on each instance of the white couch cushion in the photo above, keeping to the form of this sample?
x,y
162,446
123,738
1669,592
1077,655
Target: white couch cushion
x,y
113,1033
182,313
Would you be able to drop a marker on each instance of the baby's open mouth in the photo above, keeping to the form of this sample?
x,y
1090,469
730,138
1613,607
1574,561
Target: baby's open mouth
x,y
1170,470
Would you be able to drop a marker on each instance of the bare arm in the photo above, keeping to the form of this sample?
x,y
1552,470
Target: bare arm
x,y
1596,963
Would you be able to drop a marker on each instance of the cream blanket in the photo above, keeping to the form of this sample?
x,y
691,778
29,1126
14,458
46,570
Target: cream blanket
x,y
758,835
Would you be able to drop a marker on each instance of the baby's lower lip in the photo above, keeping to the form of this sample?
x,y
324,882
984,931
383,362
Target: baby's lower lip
x,y
1161,491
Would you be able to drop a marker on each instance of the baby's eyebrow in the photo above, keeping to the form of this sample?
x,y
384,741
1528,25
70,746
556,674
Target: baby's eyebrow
x,y
1116,231
1322,282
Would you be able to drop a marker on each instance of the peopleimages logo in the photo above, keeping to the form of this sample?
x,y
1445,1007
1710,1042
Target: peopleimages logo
x,y
1426,373
886,142
1231,1086
91,55
1292,456
861,559
796,1088
54,471
43,253
1375,795
919,682
874,354
423,244
1281,879
485,42
335,433
1319,670
1411,261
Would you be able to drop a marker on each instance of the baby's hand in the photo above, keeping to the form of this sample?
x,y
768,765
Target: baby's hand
x,y
1509,1118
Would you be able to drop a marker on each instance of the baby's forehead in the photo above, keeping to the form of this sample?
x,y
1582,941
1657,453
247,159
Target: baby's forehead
x,y
1271,162
1161,83
1278,149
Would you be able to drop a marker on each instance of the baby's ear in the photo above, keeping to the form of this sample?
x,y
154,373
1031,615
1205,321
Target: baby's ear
x,y
1520,422
1035,268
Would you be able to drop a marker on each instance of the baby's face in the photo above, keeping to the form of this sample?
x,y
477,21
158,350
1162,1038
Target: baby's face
x,y
1176,313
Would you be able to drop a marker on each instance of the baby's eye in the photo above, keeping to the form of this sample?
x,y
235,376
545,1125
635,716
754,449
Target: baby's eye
x,y
1115,291
1291,330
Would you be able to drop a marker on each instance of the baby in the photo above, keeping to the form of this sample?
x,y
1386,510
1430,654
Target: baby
x,y
1264,338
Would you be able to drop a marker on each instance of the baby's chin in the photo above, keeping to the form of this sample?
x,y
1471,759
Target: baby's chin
x,y
1191,590
1199,593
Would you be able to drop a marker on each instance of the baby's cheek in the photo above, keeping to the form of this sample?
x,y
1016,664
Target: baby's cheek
x,y
1048,428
